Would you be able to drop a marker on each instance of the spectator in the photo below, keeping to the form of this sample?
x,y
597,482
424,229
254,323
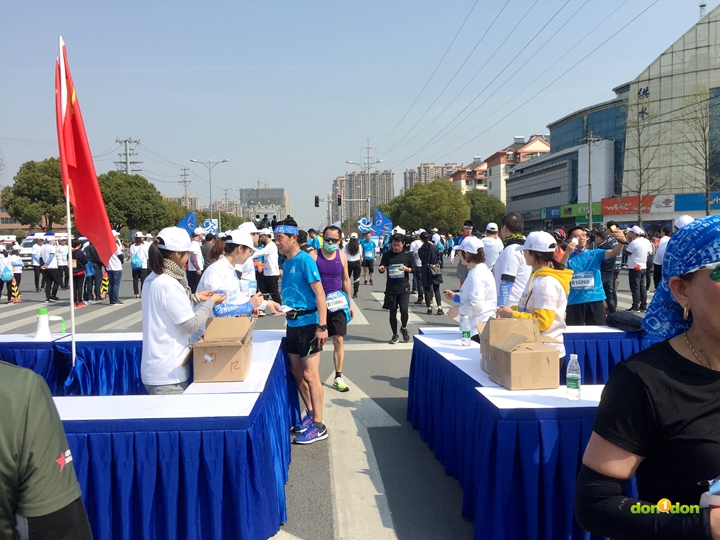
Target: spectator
x,y
638,251
607,270
492,245
431,273
659,254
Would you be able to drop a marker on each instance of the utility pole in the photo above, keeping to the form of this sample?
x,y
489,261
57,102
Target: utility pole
x,y
226,192
185,183
590,139
128,152
367,179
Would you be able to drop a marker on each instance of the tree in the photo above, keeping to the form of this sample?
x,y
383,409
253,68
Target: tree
x,y
484,208
132,201
36,197
698,149
437,204
645,162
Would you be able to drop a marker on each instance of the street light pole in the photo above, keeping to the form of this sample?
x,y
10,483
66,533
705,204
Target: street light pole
x,y
366,170
210,164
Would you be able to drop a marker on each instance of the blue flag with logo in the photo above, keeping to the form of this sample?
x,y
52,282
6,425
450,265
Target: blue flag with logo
x,y
189,223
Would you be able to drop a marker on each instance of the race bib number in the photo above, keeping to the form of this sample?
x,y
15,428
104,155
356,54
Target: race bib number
x,y
74,264
369,255
336,301
583,281
395,271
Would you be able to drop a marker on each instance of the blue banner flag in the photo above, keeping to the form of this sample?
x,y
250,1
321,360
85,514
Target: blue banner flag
x,y
189,223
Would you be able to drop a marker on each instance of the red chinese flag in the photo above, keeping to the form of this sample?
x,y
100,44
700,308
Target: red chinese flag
x,y
76,164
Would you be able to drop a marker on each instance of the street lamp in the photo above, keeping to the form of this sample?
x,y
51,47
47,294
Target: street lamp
x,y
210,164
366,168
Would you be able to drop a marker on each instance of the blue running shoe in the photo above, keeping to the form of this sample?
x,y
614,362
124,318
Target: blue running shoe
x,y
312,435
304,424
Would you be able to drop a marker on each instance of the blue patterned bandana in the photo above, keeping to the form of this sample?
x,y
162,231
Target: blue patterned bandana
x,y
695,246
286,229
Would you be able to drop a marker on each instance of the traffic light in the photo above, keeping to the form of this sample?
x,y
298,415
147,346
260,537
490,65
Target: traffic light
x,y
317,201
339,200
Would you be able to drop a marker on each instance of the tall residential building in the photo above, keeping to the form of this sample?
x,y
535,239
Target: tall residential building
x,y
271,201
410,178
426,173
380,185
192,203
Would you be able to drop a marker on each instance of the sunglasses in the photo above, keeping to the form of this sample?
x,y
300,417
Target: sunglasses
x,y
714,275
331,240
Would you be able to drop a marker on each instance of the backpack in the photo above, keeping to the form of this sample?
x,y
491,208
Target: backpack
x,y
136,261
89,269
7,274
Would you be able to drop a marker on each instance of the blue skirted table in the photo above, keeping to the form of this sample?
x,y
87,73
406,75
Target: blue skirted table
x,y
189,466
39,356
515,454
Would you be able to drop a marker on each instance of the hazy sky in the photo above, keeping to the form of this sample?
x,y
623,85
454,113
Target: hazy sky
x,y
288,91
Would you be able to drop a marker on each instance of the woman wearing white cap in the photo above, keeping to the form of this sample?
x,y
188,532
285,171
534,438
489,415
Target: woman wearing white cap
x,y
545,295
114,270
478,293
195,261
168,318
17,265
138,262
221,276
354,260
6,271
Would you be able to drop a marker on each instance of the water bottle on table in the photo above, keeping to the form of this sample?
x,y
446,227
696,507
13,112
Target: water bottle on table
x,y
572,378
465,330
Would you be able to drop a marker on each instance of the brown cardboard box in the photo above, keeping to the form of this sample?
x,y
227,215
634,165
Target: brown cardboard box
x,y
226,353
517,357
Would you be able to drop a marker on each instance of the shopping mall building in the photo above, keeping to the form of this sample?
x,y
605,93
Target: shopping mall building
x,y
657,141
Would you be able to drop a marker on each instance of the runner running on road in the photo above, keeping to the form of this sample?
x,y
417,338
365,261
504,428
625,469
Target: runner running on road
x,y
368,263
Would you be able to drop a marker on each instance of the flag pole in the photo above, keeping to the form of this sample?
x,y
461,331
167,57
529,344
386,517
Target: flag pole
x,y
71,281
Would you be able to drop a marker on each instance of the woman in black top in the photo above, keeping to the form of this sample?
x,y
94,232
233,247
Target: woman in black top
x,y
431,272
659,416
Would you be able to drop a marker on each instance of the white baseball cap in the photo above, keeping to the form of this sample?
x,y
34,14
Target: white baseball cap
x,y
637,230
174,239
139,235
148,235
539,241
353,235
249,226
199,230
683,220
433,229
470,244
16,247
266,231
240,238
492,227
115,233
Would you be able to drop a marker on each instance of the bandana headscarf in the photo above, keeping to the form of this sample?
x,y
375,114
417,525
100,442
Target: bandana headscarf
x,y
693,247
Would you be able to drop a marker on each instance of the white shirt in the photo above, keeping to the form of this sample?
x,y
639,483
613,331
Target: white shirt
x,y
62,255
660,251
546,292
435,238
36,254
356,257
6,262
142,251
165,305
247,270
493,247
511,262
270,252
415,245
638,251
478,296
50,261
114,263
17,264
195,248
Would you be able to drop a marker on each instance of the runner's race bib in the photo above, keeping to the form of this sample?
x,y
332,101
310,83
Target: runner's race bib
x,y
336,301
583,281
369,255
395,271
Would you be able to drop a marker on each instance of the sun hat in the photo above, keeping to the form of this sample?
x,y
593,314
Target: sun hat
x,y
683,220
695,246
492,227
174,239
539,241
249,226
240,238
470,244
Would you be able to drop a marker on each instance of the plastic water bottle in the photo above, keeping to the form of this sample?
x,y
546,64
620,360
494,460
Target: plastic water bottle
x,y
572,378
465,330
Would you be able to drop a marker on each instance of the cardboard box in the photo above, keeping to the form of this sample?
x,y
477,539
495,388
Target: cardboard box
x,y
225,352
517,357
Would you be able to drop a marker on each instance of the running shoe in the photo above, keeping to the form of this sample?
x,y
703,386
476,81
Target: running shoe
x,y
440,311
405,334
365,282
371,282
312,435
340,385
304,424
429,311
419,301
394,339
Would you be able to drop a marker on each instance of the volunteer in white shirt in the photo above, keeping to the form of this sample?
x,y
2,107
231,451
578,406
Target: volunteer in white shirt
x,y
114,270
168,319
415,246
6,271
659,254
138,262
271,272
545,297
17,265
638,251
52,275
62,255
511,271
492,245
36,256
195,261
248,281
221,276
478,293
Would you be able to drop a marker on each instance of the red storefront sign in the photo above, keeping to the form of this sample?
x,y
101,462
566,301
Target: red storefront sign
x,y
626,205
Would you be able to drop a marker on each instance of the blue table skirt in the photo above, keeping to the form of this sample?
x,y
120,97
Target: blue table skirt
x,y
517,468
171,480
40,357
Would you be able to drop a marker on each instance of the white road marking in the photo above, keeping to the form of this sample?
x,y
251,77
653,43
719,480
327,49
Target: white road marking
x,y
358,318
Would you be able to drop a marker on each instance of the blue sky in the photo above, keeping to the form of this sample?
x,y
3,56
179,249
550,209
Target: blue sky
x,y
288,91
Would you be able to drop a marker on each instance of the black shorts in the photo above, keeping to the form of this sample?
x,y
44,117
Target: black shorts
x,y
394,301
301,340
337,323
370,265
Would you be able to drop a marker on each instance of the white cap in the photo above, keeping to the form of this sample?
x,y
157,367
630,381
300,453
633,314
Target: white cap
x,y
492,227
139,235
16,246
637,230
174,239
240,238
539,241
2,248
249,227
433,230
683,220
266,231
470,244
353,235
148,235
199,230
115,233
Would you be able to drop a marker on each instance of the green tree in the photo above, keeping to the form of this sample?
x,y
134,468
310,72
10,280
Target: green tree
x,y
36,196
132,201
437,204
484,208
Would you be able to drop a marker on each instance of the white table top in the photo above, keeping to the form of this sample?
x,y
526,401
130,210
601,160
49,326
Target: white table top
x,y
466,358
503,398
127,336
149,407
25,338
